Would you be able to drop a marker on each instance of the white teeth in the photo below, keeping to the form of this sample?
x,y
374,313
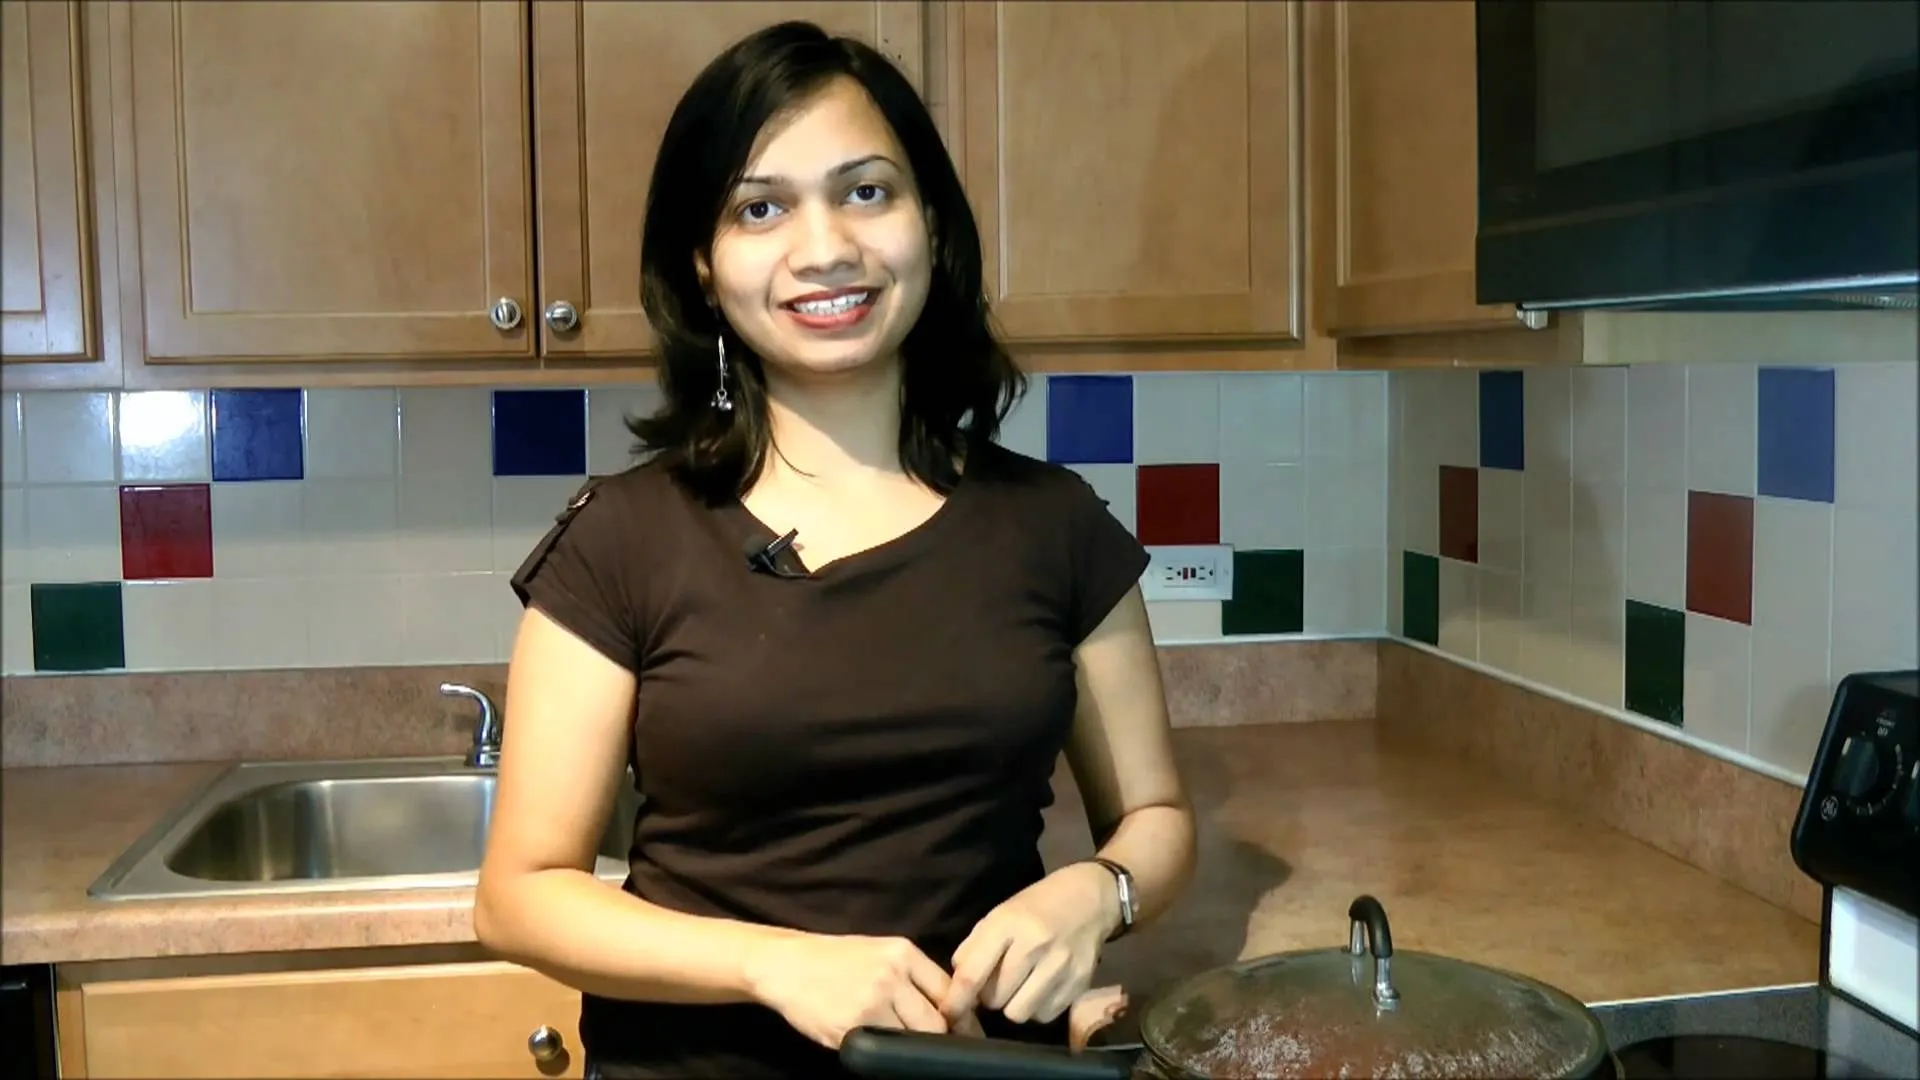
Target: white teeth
x,y
835,306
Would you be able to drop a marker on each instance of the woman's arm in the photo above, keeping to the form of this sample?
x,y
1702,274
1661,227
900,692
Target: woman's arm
x,y
563,756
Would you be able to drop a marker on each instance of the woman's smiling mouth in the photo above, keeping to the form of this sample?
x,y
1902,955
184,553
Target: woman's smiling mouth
x,y
833,309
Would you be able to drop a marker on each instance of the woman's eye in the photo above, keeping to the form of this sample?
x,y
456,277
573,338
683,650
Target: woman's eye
x,y
868,193
757,211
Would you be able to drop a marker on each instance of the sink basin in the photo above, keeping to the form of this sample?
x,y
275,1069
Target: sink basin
x,y
331,826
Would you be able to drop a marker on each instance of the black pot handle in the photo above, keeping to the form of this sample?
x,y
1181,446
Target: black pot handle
x,y
914,1055
1370,933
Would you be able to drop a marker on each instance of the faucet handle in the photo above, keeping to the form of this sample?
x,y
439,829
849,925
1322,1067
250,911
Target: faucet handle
x,y
486,731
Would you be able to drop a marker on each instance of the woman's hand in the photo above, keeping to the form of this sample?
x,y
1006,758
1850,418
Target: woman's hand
x,y
826,985
1032,956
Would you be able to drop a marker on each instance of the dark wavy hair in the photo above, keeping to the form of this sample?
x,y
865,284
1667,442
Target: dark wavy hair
x,y
958,382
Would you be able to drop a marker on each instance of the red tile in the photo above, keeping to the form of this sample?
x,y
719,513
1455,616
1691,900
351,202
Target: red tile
x,y
1720,555
166,532
1177,504
1460,513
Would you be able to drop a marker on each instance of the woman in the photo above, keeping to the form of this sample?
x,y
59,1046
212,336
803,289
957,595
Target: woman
x,y
840,635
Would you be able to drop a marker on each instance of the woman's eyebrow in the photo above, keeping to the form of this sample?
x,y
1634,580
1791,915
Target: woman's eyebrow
x,y
838,170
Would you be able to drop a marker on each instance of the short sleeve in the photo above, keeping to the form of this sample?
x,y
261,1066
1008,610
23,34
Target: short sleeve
x,y
1107,559
581,575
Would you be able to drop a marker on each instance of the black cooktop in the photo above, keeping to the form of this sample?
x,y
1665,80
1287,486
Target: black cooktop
x,y
1797,1031
1736,1057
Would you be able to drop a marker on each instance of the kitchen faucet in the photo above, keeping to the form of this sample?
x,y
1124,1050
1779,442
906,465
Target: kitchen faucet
x,y
485,753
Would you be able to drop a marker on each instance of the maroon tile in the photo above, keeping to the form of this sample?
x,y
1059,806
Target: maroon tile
x,y
1720,555
166,532
1460,513
1177,504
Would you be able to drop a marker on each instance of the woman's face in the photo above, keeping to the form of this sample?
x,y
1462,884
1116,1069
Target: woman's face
x,y
822,259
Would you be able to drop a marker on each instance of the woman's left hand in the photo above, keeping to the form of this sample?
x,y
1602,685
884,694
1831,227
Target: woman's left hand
x,y
1032,956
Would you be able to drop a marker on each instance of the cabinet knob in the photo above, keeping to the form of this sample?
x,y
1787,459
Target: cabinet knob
x,y
545,1044
505,313
561,316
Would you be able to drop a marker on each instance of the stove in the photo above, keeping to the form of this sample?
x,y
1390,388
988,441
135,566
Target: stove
x,y
1858,835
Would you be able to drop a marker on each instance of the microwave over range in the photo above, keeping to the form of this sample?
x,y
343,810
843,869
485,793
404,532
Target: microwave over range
x,y
1698,154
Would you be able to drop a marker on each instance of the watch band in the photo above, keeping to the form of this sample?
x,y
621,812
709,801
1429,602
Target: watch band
x,y
1123,882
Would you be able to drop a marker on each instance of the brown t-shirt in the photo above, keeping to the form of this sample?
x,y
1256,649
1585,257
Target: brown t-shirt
x,y
865,749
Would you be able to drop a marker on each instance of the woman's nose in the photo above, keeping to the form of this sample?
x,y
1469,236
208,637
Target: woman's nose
x,y
822,242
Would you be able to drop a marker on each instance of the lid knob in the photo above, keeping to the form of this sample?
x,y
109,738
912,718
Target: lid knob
x,y
1370,933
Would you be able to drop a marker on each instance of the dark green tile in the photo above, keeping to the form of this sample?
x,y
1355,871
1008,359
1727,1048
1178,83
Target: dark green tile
x,y
1656,661
1420,597
1268,587
78,627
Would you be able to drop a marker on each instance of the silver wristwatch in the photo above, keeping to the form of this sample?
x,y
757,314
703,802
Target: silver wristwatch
x,y
1123,882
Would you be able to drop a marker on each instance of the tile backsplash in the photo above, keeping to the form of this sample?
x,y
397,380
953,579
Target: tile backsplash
x,y
1706,546
231,529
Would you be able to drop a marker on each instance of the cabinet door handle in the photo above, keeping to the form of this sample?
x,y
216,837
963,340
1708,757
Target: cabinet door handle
x,y
561,316
545,1044
505,313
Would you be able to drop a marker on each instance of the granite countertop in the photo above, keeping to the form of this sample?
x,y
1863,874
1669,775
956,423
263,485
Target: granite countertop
x,y
1296,820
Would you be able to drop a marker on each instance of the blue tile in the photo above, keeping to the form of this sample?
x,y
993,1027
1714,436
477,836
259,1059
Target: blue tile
x,y
1503,420
1796,433
1090,419
539,432
257,435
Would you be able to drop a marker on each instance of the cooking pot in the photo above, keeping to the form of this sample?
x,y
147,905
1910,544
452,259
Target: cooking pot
x,y
1362,1010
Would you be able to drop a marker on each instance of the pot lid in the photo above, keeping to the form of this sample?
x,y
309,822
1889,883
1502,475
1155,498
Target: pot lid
x,y
1368,1011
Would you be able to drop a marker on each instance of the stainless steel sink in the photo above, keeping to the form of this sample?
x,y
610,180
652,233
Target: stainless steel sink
x,y
330,826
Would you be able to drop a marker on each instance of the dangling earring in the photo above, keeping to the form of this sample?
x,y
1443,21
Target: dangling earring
x,y
721,400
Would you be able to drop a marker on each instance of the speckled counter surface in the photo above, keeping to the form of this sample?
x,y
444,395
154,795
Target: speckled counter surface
x,y
1295,821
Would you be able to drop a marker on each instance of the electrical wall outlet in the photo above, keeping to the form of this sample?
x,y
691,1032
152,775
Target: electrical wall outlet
x,y
1189,572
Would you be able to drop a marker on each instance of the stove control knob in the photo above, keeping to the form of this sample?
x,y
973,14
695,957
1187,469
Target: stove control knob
x,y
1910,806
1859,767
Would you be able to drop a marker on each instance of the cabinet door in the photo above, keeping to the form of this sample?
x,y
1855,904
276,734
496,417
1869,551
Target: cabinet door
x,y
453,1020
1134,167
320,179
1392,82
48,284
608,78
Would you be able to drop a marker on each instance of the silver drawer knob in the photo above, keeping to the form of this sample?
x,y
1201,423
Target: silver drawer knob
x,y
505,313
545,1044
561,316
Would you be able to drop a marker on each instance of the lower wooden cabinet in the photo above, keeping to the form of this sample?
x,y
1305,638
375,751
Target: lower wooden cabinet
x,y
454,1020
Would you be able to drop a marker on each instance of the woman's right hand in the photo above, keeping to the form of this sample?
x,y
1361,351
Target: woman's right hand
x,y
827,985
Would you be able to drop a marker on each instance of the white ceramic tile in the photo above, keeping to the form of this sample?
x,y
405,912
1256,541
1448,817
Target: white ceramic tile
x,y
170,625
1549,541
353,433
524,508
1597,430
1346,504
1176,621
1459,609
1595,663
1503,625
1456,431
1263,506
1792,568
260,622
609,443
1417,395
354,621
1261,417
16,560
1718,676
446,433
1344,590
1549,614
1791,694
1876,590
1548,433
1722,404
1656,559
163,436
68,437
1396,592
1419,498
1115,484
349,526
449,619
505,612
257,530
16,630
73,533
1657,426
13,465
1876,436
1346,415
1024,431
1176,418
444,525
1598,516
1503,519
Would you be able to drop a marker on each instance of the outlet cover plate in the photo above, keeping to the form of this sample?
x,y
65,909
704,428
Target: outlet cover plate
x,y
1188,572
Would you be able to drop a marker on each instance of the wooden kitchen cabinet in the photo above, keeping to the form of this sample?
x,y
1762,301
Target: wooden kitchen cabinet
x,y
55,329
1135,168
452,1020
